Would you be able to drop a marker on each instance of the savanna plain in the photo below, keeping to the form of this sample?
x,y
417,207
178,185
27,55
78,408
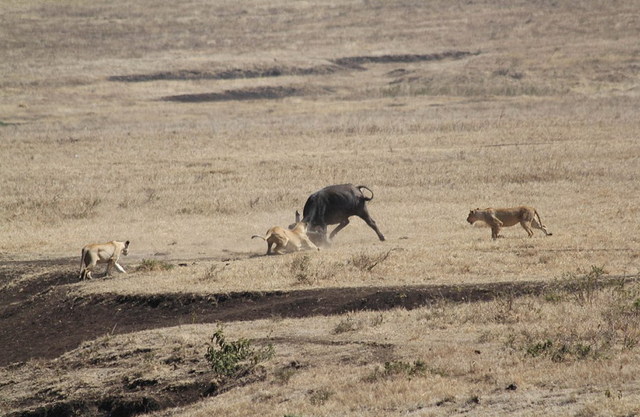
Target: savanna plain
x,y
187,127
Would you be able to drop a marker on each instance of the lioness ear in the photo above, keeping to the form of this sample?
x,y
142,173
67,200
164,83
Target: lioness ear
x,y
297,216
126,244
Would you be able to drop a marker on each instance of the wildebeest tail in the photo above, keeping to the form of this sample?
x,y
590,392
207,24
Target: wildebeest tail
x,y
360,187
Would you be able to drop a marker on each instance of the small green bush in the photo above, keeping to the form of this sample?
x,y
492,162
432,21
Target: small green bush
x,y
560,351
234,359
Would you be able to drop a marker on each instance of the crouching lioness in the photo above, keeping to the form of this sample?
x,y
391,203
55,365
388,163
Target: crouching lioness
x,y
102,253
286,240
505,217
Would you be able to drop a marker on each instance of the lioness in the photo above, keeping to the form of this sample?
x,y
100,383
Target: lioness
x,y
286,240
102,253
505,217
315,236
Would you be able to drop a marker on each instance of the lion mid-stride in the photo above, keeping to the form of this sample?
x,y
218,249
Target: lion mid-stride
x,y
505,217
102,253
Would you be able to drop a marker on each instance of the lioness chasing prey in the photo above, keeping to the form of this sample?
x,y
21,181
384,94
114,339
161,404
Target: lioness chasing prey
x,y
286,240
297,237
505,217
102,253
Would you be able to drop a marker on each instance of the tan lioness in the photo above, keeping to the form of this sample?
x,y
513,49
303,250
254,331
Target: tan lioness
x,y
102,253
286,240
505,217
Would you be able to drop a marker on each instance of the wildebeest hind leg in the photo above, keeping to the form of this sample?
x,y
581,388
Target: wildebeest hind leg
x,y
372,224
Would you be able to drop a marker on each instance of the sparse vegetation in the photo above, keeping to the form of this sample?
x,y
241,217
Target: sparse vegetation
x,y
319,397
366,262
152,265
347,324
233,359
307,271
395,368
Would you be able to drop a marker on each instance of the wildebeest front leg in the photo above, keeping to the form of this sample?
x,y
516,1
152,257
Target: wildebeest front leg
x,y
341,226
322,230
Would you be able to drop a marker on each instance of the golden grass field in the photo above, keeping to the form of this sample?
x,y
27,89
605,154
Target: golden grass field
x,y
188,127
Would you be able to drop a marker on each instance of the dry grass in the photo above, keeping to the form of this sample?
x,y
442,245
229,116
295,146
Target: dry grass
x,y
543,111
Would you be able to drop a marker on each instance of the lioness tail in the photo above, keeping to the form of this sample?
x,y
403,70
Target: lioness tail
x,y
541,224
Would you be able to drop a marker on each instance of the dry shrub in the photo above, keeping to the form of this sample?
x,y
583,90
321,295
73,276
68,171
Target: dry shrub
x,y
397,368
366,262
347,324
153,265
306,271
320,396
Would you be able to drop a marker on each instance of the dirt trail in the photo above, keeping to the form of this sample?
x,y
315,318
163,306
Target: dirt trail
x,y
39,319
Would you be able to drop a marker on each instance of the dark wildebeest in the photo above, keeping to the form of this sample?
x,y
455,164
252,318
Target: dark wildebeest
x,y
334,205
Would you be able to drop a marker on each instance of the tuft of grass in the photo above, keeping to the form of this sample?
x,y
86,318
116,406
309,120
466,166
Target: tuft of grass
x,y
321,396
365,262
348,324
153,265
560,351
585,283
409,370
306,272
86,209
301,269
